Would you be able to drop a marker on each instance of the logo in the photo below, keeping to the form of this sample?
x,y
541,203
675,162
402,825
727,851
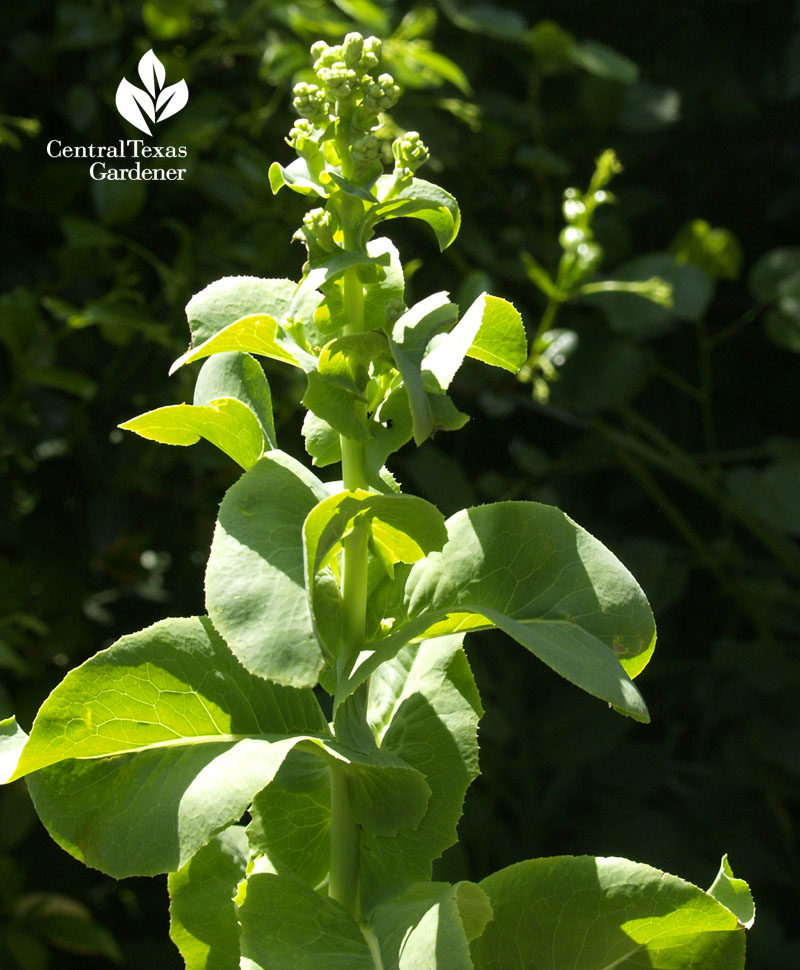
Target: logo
x,y
156,102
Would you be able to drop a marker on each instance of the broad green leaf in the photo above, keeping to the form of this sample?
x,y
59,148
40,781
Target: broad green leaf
x,y
238,376
226,423
414,329
12,740
336,266
255,592
418,200
423,929
203,920
487,19
770,492
288,926
329,400
146,750
291,819
424,708
383,298
388,292
229,299
734,894
322,442
603,914
347,359
404,526
491,331
256,334
529,570
408,526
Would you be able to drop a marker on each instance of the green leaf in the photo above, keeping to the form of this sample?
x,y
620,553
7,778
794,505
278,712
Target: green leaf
x,y
12,740
329,400
291,819
389,290
403,527
288,926
598,914
734,894
418,403
229,299
257,334
296,176
419,200
226,423
423,929
255,592
238,376
335,266
491,330
203,919
414,329
424,708
322,442
487,19
408,527
532,572
146,750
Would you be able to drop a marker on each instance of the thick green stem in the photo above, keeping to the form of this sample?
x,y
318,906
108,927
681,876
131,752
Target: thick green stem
x,y
344,859
343,880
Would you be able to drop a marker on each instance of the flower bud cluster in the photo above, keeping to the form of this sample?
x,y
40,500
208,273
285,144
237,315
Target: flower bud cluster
x,y
409,153
319,225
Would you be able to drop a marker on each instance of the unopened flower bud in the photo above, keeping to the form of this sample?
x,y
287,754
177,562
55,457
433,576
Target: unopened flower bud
x,y
318,223
301,133
371,53
409,151
310,102
339,80
365,150
381,94
352,48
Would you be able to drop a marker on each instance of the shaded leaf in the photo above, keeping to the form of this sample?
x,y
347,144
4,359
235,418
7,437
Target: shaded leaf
x,y
203,918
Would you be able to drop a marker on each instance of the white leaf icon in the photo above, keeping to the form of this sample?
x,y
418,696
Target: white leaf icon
x,y
152,72
172,99
130,103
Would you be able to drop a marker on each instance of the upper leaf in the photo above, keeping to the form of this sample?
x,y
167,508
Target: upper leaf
x,y
529,570
491,330
226,423
233,297
599,914
418,199
239,376
255,590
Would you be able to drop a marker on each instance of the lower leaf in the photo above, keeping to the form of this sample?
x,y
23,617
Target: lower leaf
x,y
203,918
603,914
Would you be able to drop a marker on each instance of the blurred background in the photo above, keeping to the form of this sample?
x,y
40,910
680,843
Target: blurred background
x,y
671,433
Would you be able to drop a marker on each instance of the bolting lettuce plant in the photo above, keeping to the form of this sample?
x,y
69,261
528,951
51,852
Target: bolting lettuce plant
x,y
297,759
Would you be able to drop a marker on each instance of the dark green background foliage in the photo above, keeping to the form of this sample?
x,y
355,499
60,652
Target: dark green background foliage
x,y
670,435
